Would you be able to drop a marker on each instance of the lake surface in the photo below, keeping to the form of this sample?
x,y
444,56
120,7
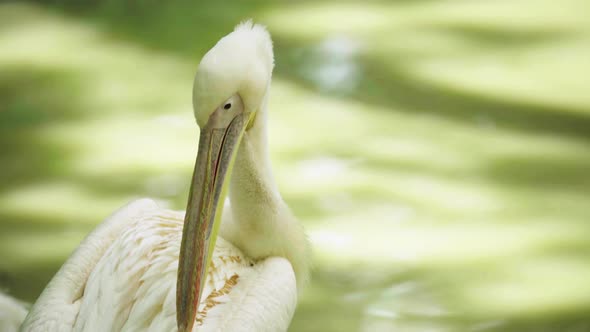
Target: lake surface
x,y
437,152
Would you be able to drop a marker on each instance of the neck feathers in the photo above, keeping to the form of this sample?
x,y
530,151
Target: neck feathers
x,y
261,223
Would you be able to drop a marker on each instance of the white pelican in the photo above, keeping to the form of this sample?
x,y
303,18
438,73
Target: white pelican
x,y
125,275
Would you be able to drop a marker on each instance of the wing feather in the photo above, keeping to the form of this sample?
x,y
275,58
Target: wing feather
x,y
123,278
58,305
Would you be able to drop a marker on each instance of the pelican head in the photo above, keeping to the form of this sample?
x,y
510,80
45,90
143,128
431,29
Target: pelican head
x,y
229,89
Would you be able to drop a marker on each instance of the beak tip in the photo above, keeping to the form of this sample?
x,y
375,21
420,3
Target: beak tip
x,y
185,312
183,326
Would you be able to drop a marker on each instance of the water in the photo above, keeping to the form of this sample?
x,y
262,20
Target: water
x,y
436,152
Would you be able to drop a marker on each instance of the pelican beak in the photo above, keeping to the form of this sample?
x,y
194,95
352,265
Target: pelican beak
x,y
219,141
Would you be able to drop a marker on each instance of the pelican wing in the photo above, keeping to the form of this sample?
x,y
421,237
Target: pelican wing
x,y
57,306
123,278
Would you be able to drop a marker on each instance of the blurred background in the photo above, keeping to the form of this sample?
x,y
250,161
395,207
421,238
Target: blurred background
x,y
438,152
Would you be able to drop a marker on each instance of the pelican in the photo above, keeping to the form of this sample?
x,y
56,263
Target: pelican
x,y
146,268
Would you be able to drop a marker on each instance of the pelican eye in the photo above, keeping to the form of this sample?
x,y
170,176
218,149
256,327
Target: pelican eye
x,y
227,106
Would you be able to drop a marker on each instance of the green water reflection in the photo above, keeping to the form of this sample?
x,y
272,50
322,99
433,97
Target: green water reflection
x,y
438,152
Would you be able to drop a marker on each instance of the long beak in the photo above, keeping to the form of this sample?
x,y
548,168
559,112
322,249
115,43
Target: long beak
x,y
217,150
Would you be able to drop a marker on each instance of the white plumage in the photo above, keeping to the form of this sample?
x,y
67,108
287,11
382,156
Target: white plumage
x,y
123,276
132,283
12,313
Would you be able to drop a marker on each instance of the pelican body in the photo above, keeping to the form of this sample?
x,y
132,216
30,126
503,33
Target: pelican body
x,y
151,269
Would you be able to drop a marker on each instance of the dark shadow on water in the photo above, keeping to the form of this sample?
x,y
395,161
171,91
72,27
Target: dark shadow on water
x,y
547,173
572,321
27,283
394,87
33,98
503,38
